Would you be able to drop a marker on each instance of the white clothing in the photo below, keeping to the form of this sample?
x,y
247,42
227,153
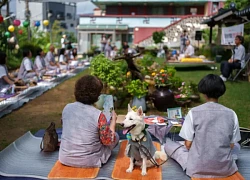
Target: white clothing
x,y
61,58
27,64
2,72
38,64
62,42
189,50
187,130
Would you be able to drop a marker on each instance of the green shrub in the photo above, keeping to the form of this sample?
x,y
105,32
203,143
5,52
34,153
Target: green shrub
x,y
13,62
33,48
137,88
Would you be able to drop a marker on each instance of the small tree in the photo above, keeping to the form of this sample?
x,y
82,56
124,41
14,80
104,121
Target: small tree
x,y
240,4
158,37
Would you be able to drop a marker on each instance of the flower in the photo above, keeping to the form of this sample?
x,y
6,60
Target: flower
x,y
185,92
160,78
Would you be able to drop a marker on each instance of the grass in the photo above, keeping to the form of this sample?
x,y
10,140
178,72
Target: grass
x,y
38,113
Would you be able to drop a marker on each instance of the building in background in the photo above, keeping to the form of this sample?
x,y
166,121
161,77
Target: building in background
x,y
63,12
134,21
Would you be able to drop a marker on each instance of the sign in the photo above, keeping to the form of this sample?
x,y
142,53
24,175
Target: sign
x,y
228,34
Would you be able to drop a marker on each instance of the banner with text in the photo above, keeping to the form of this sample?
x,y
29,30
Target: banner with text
x,y
228,34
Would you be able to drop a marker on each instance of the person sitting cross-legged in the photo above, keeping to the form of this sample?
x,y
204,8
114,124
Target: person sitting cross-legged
x,y
189,51
62,60
87,138
39,64
237,61
211,132
50,59
5,80
27,71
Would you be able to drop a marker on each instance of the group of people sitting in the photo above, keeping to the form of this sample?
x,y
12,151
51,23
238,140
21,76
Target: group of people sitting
x,y
211,132
30,72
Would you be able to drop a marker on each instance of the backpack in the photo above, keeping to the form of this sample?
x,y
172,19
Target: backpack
x,y
49,142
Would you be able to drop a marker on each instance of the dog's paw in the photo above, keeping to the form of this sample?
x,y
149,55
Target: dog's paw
x,y
129,170
144,173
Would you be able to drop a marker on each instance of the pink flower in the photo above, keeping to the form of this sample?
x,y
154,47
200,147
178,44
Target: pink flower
x,y
183,84
177,96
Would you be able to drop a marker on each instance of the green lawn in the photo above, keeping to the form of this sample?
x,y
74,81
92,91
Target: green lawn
x,y
237,96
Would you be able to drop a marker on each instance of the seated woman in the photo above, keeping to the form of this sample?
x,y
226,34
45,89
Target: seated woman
x,y
39,64
50,60
211,131
87,139
62,60
27,72
5,80
74,54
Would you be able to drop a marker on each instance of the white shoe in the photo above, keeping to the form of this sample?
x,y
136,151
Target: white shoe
x,y
223,78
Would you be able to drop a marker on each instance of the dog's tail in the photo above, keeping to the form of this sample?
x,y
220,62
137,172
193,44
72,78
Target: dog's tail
x,y
161,155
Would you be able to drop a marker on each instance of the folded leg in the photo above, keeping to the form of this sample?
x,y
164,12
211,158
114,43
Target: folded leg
x,y
177,151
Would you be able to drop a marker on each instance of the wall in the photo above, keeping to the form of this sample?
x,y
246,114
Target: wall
x,y
131,22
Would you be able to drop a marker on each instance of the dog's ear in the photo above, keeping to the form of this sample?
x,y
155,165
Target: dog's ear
x,y
129,108
139,111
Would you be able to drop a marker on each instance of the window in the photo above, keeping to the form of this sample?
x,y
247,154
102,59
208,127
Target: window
x,y
112,10
63,25
60,16
180,11
71,25
69,16
157,11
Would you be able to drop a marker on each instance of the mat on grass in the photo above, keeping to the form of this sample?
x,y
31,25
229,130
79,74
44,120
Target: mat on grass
x,y
23,158
59,171
122,163
12,103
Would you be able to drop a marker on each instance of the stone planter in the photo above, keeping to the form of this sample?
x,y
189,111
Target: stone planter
x,y
163,98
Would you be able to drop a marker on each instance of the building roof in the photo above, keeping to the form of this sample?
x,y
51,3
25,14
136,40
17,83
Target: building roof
x,y
102,3
244,12
225,16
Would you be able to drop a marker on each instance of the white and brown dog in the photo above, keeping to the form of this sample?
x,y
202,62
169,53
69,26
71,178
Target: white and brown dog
x,y
134,124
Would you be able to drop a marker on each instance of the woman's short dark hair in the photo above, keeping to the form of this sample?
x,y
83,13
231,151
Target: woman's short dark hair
x,y
26,52
241,38
87,89
38,52
212,86
62,51
3,58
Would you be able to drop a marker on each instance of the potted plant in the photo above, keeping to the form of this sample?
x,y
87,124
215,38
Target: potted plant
x,y
182,98
162,97
138,90
109,72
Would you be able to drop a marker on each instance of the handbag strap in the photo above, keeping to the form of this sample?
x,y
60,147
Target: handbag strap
x,y
41,144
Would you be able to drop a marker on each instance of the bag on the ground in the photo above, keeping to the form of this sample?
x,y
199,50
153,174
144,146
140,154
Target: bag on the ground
x,y
50,139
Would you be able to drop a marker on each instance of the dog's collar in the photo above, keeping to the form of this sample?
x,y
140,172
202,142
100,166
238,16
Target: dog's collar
x,y
141,139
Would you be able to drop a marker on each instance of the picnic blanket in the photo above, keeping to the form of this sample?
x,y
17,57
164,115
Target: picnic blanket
x,y
23,158
15,102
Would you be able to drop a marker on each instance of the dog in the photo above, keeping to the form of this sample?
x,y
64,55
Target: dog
x,y
134,124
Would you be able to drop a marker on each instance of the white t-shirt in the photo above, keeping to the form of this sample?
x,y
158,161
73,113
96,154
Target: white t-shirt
x,y
27,64
2,72
187,130
190,50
